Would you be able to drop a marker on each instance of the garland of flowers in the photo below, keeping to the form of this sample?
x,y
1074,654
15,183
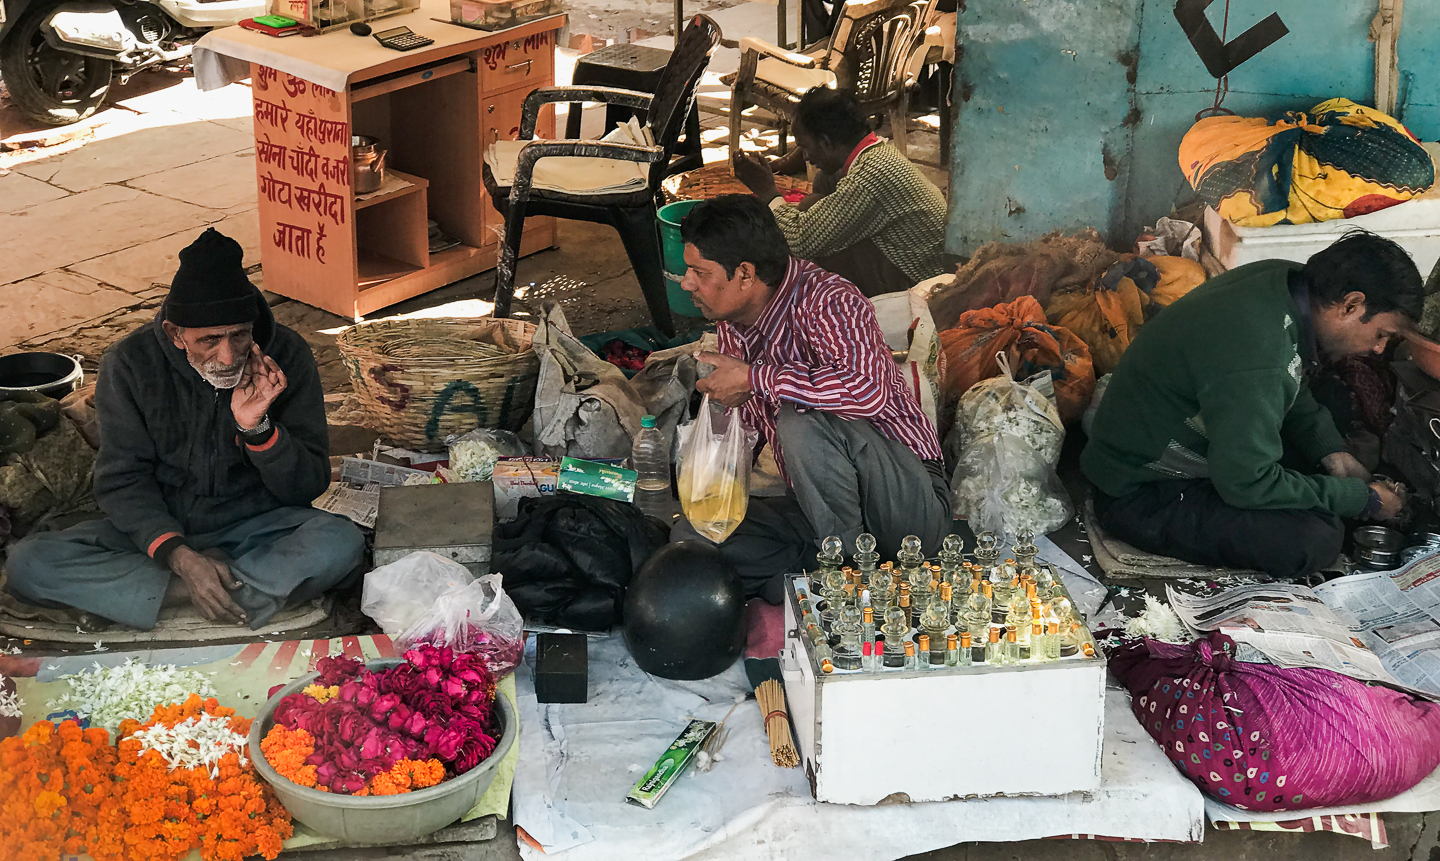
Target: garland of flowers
x,y
361,733
68,791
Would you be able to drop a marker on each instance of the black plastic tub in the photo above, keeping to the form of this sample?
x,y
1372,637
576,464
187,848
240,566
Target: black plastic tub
x,y
51,374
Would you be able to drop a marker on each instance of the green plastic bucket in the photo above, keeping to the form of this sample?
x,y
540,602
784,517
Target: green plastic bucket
x,y
673,247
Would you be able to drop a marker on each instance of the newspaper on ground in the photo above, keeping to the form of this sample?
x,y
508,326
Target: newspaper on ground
x,y
360,504
1381,626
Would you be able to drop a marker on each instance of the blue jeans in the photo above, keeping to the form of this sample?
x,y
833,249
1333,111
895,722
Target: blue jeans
x,y
281,558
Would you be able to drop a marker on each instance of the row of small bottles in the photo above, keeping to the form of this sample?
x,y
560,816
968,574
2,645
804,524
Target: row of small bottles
x,y
932,616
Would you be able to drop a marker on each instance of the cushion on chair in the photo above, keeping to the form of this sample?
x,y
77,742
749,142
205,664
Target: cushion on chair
x,y
569,174
781,74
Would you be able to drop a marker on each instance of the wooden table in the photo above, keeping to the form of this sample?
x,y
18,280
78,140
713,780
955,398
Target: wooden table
x,y
434,111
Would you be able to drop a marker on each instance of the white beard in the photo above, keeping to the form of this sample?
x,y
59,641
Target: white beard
x,y
220,376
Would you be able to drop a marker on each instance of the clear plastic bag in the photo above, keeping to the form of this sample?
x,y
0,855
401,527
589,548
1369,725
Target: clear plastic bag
x,y
1005,480
398,594
473,454
714,460
478,619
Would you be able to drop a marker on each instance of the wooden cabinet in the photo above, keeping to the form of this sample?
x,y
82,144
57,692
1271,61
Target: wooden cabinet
x,y
433,111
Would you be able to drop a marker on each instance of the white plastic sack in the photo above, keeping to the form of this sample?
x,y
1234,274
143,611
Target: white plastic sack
x,y
1011,436
908,328
397,594
716,453
478,618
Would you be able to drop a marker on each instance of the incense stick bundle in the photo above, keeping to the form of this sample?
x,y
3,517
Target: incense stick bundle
x,y
777,723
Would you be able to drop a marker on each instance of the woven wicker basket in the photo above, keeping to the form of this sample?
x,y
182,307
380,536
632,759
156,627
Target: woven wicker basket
x,y
419,381
713,180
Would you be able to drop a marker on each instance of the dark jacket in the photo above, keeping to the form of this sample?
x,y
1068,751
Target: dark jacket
x,y
171,461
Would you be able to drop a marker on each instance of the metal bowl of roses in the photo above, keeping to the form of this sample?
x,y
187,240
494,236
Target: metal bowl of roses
x,y
385,819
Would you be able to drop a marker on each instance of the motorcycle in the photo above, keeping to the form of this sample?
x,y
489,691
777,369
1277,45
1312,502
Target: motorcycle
x,y
58,58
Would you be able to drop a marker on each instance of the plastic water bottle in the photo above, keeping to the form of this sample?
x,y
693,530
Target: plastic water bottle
x,y
651,461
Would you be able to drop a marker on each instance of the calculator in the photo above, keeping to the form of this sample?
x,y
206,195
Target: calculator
x,y
403,39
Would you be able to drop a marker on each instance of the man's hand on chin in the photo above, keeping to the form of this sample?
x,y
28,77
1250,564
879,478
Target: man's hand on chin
x,y
729,384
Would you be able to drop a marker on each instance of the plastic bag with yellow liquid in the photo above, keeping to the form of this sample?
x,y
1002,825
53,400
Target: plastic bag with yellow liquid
x,y
716,450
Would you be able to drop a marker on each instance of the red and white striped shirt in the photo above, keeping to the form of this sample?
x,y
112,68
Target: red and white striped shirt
x,y
819,346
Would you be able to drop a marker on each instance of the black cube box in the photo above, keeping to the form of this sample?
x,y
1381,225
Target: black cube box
x,y
562,668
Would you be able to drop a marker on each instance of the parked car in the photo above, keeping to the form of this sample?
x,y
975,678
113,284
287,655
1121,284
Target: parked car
x,y
58,58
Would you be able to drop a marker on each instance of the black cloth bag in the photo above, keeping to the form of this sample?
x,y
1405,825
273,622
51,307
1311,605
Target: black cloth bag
x,y
567,559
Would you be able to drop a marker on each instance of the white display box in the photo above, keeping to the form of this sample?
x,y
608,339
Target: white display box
x,y
939,735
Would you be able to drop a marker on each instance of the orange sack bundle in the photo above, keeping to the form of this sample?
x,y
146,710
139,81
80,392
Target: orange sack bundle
x,y
1019,330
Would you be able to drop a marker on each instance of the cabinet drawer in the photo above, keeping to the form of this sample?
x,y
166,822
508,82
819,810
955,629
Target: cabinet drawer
x,y
527,62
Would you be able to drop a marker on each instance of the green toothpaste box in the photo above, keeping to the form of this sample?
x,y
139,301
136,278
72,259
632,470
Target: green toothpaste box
x,y
647,791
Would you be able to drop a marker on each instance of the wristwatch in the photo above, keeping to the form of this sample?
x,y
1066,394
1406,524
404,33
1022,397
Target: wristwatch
x,y
258,430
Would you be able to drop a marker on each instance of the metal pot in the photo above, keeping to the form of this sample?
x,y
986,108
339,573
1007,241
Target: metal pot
x,y
53,375
1379,560
1380,538
367,161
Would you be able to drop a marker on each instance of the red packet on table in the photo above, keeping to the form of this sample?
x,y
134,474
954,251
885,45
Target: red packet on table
x,y
794,195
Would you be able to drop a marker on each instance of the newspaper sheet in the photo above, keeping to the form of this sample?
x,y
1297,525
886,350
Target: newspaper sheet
x,y
1375,626
360,504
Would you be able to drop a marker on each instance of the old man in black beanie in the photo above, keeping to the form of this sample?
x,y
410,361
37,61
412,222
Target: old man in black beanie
x,y
213,443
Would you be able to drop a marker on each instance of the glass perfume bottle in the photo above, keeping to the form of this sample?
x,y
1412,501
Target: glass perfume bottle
x,y
1000,591
830,557
825,657
866,559
987,550
1012,646
867,657
848,631
976,616
867,624
910,663
952,650
994,650
1018,619
967,650
833,582
922,652
896,626
911,558
1025,550
935,622
903,602
1038,642
1071,639
952,558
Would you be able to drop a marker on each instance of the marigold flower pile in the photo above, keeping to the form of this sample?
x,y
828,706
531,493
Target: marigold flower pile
x,y
361,733
67,791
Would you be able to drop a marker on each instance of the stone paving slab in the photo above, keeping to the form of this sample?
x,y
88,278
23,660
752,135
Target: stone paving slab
x,y
19,191
139,268
184,97
153,143
222,182
51,235
52,302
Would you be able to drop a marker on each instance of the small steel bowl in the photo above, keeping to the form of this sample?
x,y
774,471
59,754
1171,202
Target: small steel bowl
x,y
1379,538
1379,559
1424,538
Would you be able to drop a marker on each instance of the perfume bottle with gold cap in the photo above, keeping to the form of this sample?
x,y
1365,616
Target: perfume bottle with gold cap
x,y
897,625
994,649
935,621
910,663
848,631
922,652
952,650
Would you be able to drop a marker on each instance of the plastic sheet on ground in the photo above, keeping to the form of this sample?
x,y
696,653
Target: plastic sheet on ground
x,y
579,760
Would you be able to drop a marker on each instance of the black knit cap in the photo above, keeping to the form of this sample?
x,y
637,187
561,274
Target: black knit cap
x,y
210,287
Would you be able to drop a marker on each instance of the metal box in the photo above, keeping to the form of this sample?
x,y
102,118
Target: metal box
x,y
943,734
456,521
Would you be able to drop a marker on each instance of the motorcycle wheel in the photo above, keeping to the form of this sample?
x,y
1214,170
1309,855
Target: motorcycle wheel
x,y
54,87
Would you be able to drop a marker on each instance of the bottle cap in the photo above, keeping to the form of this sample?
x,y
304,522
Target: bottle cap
x,y
1036,629
946,593
951,641
1054,628
868,615
994,634
909,648
647,421
826,666
1088,649
905,598
1010,636
924,642
866,649
989,590
965,639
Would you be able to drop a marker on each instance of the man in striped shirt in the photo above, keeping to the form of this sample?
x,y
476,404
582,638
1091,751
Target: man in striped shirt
x,y
803,359
873,217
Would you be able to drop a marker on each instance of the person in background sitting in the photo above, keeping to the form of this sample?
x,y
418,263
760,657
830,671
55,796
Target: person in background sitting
x,y
873,218
213,443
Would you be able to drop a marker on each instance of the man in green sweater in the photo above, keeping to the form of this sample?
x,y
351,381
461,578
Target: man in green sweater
x,y
1208,445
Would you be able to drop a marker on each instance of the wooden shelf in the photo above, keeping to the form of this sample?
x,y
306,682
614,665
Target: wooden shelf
x,y
416,184
376,268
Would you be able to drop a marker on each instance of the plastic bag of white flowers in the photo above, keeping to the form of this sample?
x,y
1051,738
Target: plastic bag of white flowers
x,y
1010,438
473,454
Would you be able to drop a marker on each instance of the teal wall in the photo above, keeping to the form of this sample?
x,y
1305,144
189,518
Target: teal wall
x,y
1071,111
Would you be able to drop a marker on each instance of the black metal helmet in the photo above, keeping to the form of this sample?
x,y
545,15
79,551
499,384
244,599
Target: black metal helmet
x,y
685,612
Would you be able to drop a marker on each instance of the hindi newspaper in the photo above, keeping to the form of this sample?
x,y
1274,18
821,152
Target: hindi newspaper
x,y
1375,626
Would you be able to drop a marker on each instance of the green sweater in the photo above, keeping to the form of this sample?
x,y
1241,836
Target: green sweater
x,y
1213,388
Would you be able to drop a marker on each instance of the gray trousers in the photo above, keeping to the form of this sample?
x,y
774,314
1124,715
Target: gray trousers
x,y
845,478
281,558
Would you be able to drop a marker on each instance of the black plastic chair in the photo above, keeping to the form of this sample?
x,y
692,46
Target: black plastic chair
x,y
632,212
